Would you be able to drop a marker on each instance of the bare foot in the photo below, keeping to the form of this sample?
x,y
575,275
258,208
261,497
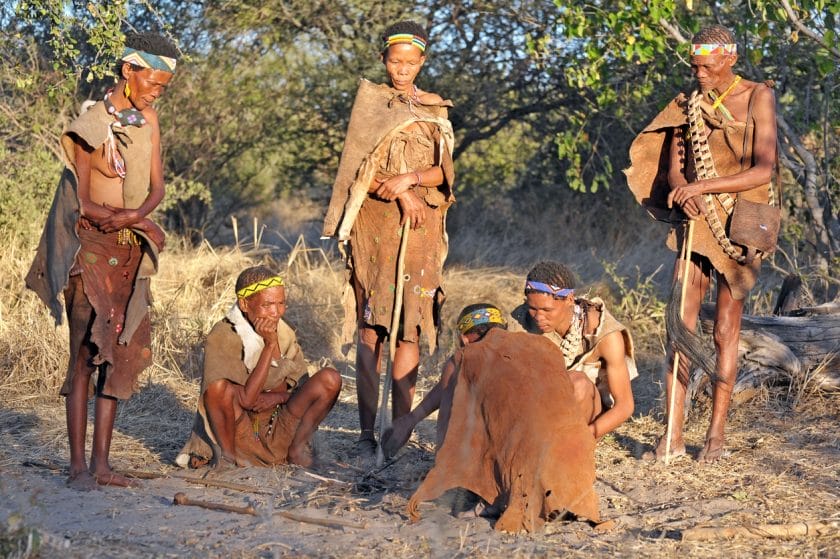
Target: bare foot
x,y
82,481
110,478
366,447
712,451
658,454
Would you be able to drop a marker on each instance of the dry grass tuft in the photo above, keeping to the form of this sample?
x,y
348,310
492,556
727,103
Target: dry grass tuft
x,y
194,288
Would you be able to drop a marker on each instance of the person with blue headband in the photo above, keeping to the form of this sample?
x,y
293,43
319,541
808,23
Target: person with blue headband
x,y
597,350
509,433
99,248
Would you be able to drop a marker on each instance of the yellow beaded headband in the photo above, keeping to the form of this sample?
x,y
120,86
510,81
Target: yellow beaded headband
x,y
408,38
487,315
704,49
256,287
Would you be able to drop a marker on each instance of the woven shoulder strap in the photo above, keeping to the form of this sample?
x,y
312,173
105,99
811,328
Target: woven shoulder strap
x,y
704,168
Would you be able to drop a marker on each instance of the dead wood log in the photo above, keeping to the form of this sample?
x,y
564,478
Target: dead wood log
x,y
814,528
182,499
779,342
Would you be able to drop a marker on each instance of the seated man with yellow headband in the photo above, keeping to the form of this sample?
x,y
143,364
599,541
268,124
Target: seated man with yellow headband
x,y
254,407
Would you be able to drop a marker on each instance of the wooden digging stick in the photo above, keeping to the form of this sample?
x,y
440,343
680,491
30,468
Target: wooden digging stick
x,y
182,499
384,420
675,370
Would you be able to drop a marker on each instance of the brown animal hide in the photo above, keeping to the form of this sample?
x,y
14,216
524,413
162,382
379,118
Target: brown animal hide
x,y
515,436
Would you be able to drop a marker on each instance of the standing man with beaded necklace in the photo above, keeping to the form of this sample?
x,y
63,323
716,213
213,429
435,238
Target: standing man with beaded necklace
x,y
597,349
734,120
100,248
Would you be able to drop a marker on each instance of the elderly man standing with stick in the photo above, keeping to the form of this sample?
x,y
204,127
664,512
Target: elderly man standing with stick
x,y
710,154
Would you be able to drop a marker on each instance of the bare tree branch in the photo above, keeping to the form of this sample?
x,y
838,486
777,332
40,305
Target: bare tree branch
x,y
811,190
814,36
672,30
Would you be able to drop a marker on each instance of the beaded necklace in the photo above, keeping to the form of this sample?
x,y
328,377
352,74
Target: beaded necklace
x,y
124,118
572,343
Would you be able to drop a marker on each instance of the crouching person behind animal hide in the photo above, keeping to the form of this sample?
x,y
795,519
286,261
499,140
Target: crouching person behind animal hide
x,y
254,407
509,428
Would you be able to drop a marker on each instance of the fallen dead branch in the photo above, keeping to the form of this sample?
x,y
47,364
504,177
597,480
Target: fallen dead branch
x,y
139,474
226,485
814,528
182,499
329,523
325,479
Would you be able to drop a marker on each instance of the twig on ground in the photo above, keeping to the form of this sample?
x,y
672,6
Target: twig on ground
x,y
182,499
137,474
812,528
44,465
226,485
387,464
326,479
329,523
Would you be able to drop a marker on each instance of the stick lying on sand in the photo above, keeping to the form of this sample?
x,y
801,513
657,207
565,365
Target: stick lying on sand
x,y
226,485
813,528
182,499
329,523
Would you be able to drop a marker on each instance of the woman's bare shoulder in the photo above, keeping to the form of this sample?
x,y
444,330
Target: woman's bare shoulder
x,y
429,98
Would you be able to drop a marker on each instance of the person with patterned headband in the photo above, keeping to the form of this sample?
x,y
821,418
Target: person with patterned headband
x,y
474,322
257,406
597,350
509,430
705,154
395,168
100,248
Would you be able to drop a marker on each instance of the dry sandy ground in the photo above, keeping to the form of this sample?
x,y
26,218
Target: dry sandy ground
x,y
784,467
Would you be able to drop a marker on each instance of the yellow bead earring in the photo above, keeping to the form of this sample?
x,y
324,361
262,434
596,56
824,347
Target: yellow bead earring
x,y
127,90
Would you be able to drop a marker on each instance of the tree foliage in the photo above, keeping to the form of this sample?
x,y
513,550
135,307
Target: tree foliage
x,y
547,95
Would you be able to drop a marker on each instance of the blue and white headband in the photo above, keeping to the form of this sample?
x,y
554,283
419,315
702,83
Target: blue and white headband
x,y
548,289
148,60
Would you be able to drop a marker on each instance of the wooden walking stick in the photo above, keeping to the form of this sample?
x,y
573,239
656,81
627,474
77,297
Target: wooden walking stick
x,y
384,420
675,370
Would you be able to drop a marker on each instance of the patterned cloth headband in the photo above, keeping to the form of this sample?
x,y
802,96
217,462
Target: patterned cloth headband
x,y
549,289
148,60
258,286
487,315
713,48
406,38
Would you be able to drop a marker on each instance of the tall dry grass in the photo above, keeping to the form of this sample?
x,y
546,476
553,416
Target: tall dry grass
x,y
621,260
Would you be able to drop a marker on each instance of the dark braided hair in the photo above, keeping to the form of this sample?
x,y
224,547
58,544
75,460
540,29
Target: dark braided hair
x,y
714,34
410,27
253,275
551,273
153,43
480,329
